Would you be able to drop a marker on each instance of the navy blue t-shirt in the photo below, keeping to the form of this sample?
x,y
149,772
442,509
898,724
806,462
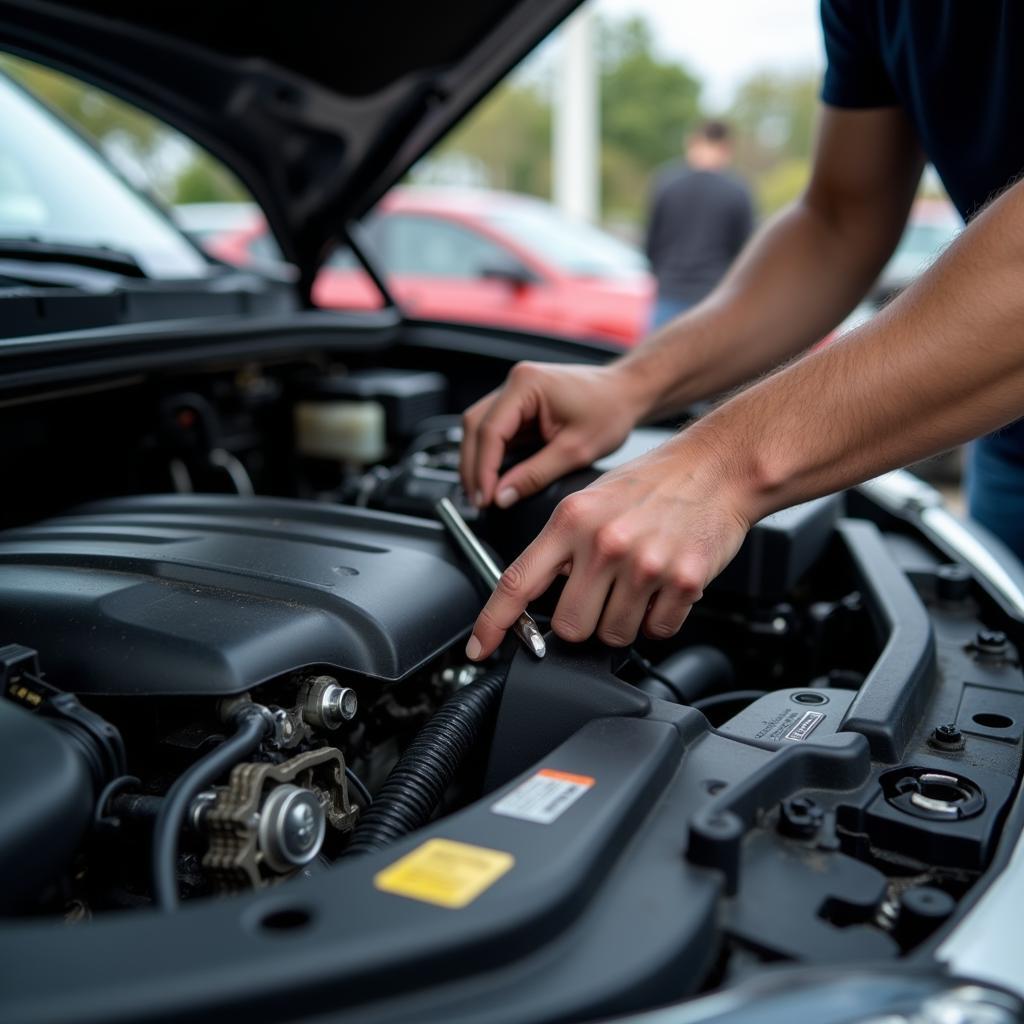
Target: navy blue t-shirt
x,y
957,69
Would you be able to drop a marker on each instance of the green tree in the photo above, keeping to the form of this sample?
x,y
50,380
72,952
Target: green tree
x,y
509,134
171,166
204,180
773,117
648,104
95,113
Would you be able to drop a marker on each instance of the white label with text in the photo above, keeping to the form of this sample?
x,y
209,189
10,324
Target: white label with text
x,y
544,797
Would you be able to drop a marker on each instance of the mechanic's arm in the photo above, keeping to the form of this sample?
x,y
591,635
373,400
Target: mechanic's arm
x,y
798,277
942,364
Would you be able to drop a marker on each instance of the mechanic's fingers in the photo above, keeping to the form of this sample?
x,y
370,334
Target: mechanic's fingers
x,y
562,455
467,453
624,612
502,421
669,609
467,461
525,579
582,602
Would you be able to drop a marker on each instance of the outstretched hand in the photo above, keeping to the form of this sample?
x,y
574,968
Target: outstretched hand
x,y
638,546
581,412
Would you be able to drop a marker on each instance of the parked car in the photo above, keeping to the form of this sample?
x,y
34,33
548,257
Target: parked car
x,y
214,225
479,256
932,225
246,773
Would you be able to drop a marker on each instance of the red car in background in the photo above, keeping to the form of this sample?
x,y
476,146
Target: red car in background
x,y
479,256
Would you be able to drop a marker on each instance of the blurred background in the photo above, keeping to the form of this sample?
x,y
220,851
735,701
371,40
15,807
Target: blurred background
x,y
532,214
654,80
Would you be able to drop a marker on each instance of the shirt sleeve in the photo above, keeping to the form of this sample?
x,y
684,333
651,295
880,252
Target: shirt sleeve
x,y
855,73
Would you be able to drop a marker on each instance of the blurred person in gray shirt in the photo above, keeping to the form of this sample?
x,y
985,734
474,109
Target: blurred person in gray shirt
x,y
701,215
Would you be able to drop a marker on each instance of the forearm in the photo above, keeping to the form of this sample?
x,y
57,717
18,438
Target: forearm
x,y
942,364
799,276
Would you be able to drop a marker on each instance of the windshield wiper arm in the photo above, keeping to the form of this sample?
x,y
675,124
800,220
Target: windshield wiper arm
x,y
98,257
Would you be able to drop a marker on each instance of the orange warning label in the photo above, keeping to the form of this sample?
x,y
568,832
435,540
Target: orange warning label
x,y
580,780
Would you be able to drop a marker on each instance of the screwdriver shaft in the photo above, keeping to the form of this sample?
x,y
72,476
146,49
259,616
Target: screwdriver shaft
x,y
477,555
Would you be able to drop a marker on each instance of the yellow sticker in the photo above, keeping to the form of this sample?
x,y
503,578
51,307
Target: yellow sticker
x,y
445,873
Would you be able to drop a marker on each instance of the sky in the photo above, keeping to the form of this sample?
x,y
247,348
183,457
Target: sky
x,y
726,41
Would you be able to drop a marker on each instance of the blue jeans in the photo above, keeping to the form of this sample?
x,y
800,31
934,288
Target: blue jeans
x,y
995,485
666,309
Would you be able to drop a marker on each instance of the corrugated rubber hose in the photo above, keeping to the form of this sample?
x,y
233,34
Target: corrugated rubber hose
x,y
414,789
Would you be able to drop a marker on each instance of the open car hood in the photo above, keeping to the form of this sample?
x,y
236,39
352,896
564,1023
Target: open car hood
x,y
318,107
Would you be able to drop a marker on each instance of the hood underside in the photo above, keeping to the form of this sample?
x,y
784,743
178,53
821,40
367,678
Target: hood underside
x,y
317,107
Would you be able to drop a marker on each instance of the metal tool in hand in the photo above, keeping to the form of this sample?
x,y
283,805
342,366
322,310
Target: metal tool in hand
x,y
524,627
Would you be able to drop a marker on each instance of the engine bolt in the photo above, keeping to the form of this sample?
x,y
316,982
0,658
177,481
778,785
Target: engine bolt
x,y
921,910
328,704
800,817
991,642
948,736
337,705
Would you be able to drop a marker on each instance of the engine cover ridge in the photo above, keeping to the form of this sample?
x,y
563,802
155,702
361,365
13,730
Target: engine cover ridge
x,y
210,594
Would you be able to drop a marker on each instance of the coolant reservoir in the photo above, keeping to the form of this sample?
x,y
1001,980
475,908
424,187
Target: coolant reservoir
x,y
353,417
345,431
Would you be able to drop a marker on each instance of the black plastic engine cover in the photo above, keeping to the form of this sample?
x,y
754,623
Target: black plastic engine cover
x,y
162,594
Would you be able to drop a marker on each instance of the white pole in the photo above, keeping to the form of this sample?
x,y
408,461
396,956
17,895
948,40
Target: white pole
x,y
576,132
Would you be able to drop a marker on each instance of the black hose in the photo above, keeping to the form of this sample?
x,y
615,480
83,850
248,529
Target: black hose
x,y
688,674
359,786
249,732
414,789
732,701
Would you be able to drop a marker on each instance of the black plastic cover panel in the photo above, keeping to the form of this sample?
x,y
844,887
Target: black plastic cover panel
x,y
215,594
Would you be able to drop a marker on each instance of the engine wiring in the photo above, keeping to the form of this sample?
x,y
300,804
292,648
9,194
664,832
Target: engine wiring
x,y
365,797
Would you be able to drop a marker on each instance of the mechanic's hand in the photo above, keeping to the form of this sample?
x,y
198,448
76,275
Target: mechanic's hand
x,y
638,545
582,412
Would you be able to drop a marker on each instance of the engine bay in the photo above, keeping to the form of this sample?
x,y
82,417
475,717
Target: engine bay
x,y
233,672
